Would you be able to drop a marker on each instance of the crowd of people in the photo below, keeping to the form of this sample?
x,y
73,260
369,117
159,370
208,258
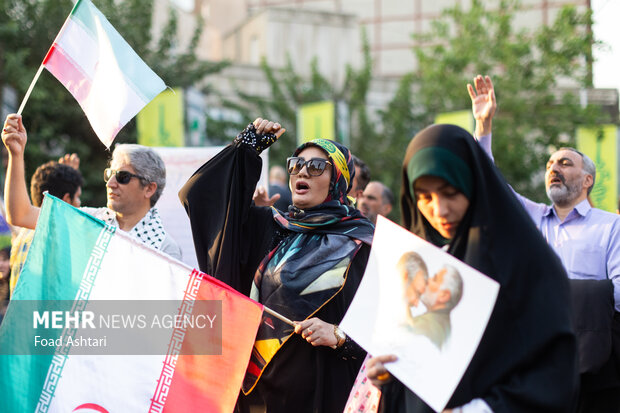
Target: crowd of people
x,y
301,247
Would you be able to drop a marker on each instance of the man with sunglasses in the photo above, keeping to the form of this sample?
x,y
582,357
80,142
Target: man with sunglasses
x,y
134,182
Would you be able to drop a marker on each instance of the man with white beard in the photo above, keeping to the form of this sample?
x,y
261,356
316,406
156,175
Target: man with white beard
x,y
443,292
587,240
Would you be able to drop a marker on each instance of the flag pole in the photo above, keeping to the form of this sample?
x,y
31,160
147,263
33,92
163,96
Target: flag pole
x,y
36,77
279,316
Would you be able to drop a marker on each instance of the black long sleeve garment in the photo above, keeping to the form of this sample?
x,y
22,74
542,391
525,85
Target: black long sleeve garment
x,y
231,237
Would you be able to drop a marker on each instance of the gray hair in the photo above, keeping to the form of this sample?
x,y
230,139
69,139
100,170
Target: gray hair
x,y
452,282
387,194
146,162
412,262
588,166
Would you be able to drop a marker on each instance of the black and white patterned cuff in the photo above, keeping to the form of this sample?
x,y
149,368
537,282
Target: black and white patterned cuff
x,y
257,141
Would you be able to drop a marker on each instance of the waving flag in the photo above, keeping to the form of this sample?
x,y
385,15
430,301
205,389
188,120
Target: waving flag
x,y
79,261
104,74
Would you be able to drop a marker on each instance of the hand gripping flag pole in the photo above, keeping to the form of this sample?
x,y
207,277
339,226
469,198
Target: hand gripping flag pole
x,y
278,315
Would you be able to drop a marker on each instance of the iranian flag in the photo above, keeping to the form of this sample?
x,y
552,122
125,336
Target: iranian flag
x,y
104,74
79,262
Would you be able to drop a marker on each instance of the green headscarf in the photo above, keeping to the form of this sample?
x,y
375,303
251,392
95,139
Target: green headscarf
x,y
440,162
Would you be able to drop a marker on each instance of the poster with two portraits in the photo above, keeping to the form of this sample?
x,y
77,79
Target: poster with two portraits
x,y
422,305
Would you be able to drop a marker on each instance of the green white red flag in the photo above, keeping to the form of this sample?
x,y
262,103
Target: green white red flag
x,y
80,260
104,74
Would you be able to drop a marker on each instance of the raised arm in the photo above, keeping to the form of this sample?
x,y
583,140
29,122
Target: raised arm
x,y
483,104
20,211
230,236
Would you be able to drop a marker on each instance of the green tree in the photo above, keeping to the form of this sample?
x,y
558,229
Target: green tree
x,y
55,122
534,114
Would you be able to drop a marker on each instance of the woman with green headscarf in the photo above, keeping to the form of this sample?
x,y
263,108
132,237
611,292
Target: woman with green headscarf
x,y
454,197
306,264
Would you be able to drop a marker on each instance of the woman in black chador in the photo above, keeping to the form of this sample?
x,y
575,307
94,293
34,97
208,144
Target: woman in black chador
x,y
453,196
305,264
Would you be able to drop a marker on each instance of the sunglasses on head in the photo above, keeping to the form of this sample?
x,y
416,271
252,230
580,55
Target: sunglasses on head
x,y
314,166
122,177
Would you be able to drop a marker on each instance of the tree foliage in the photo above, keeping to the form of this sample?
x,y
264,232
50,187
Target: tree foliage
x,y
534,114
55,122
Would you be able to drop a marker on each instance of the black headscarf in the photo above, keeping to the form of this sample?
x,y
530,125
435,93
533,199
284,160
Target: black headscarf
x,y
526,360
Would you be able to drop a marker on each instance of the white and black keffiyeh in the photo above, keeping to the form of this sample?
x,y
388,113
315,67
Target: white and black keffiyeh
x,y
149,230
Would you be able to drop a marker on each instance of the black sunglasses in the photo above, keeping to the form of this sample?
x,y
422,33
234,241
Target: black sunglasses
x,y
122,177
314,166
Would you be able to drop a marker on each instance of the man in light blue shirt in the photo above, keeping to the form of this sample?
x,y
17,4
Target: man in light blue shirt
x,y
586,239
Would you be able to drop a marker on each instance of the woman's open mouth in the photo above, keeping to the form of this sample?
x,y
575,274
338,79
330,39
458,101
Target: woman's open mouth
x,y
302,187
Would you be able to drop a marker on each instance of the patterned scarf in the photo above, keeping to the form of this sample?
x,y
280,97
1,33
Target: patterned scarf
x,y
150,230
308,267
343,170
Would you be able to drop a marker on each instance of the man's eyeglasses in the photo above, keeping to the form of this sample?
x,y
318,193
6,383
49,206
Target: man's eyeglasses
x,y
122,177
314,166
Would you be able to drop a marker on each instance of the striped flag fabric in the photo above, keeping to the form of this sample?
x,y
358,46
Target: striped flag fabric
x,y
103,73
80,261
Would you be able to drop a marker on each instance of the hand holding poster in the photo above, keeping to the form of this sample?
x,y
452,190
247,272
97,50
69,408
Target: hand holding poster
x,y
430,311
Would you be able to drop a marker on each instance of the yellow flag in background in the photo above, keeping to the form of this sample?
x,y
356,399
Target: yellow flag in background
x,y
601,145
462,118
316,120
160,123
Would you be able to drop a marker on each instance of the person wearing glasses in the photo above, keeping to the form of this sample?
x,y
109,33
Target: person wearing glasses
x,y
305,264
134,182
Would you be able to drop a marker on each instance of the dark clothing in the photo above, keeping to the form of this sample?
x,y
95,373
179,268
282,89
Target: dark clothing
x,y
231,238
303,378
593,312
527,357
593,309
285,199
599,401
227,247
307,270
